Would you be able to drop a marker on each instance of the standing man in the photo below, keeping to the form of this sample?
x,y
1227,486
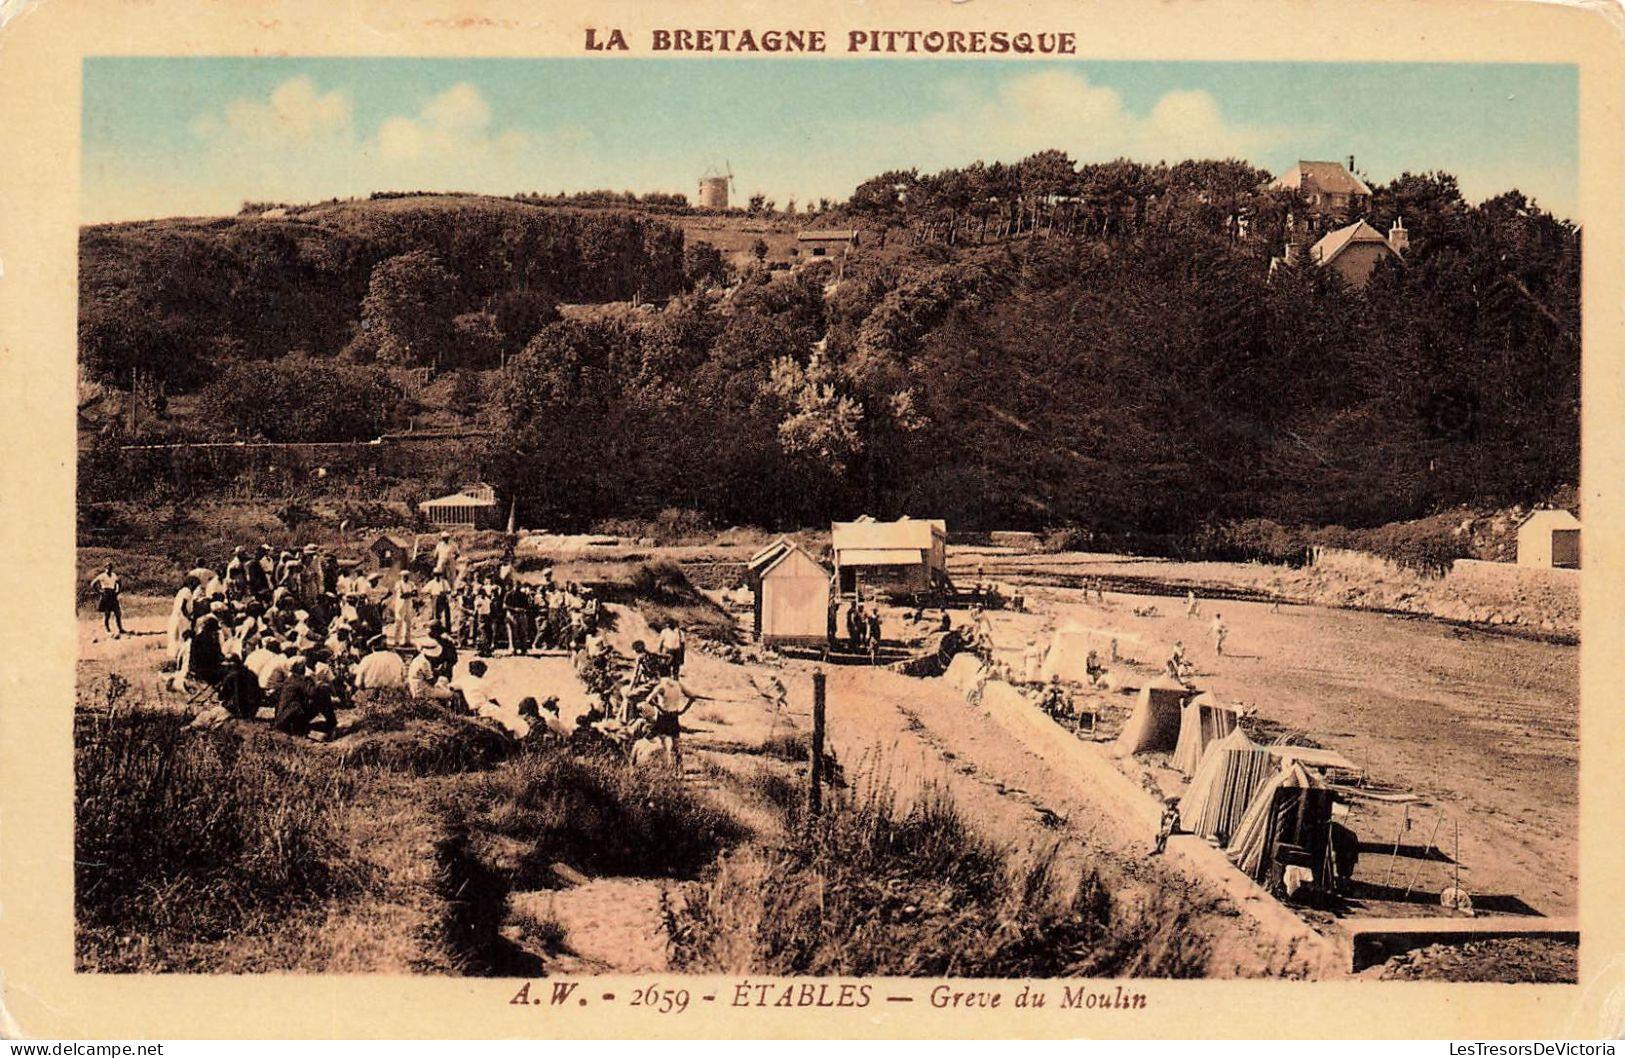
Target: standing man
x,y
406,594
516,610
1219,633
669,702
182,612
107,583
438,589
1167,826
670,646
445,557
1191,609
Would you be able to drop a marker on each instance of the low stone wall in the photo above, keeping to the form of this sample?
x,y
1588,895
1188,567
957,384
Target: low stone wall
x,y
1494,593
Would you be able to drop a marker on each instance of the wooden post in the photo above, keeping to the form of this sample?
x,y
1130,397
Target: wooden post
x,y
815,774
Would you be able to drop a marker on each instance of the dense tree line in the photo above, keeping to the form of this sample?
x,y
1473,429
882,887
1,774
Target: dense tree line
x,y
433,282
1151,373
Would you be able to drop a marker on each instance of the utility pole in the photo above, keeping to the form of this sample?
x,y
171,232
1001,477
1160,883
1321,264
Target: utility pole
x,y
815,778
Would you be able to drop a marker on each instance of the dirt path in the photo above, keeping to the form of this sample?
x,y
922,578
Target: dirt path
x,y
917,732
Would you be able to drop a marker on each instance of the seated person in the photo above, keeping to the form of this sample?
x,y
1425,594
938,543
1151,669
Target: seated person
x,y
302,707
381,669
204,656
239,689
274,672
471,686
421,679
1093,667
1057,703
448,658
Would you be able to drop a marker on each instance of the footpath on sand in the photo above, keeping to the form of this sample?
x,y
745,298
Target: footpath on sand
x,y
917,732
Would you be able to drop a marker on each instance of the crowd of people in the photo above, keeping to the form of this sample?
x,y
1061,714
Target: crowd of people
x,y
303,634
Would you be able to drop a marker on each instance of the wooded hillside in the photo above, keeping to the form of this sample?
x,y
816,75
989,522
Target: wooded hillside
x,y
1103,346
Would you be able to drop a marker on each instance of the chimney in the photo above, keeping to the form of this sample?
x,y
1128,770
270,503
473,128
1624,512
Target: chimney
x,y
1351,163
1399,240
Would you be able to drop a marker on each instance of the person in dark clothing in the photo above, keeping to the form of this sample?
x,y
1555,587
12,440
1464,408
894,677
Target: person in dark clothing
x,y
255,576
239,691
204,658
303,707
516,605
447,662
855,626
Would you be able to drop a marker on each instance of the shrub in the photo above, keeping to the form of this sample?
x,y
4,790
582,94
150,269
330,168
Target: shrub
x,y
297,399
398,733
598,816
660,591
874,888
184,838
369,514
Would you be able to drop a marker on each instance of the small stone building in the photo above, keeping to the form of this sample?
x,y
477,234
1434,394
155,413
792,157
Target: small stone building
x,y
1550,539
387,551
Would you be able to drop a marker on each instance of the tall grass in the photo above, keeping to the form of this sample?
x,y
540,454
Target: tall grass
x,y
876,887
184,838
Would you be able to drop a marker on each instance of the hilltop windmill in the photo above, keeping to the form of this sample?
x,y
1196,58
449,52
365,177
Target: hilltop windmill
x,y
716,186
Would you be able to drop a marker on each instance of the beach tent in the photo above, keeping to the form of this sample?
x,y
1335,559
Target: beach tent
x,y
1202,722
1292,809
1155,722
1231,771
1069,648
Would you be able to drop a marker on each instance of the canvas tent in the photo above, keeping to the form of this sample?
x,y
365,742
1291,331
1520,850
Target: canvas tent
x,y
1154,724
1292,811
1069,648
792,596
1231,771
1202,721
1550,539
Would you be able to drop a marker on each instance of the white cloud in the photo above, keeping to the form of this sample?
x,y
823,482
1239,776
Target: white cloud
x,y
452,126
459,107
296,110
1064,110
300,142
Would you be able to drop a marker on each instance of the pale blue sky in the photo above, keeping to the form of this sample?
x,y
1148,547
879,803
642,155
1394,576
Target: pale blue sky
x,y
188,136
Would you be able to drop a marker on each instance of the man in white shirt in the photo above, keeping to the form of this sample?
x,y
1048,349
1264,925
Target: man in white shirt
x,y
471,685
438,591
274,673
258,657
382,668
445,556
421,681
